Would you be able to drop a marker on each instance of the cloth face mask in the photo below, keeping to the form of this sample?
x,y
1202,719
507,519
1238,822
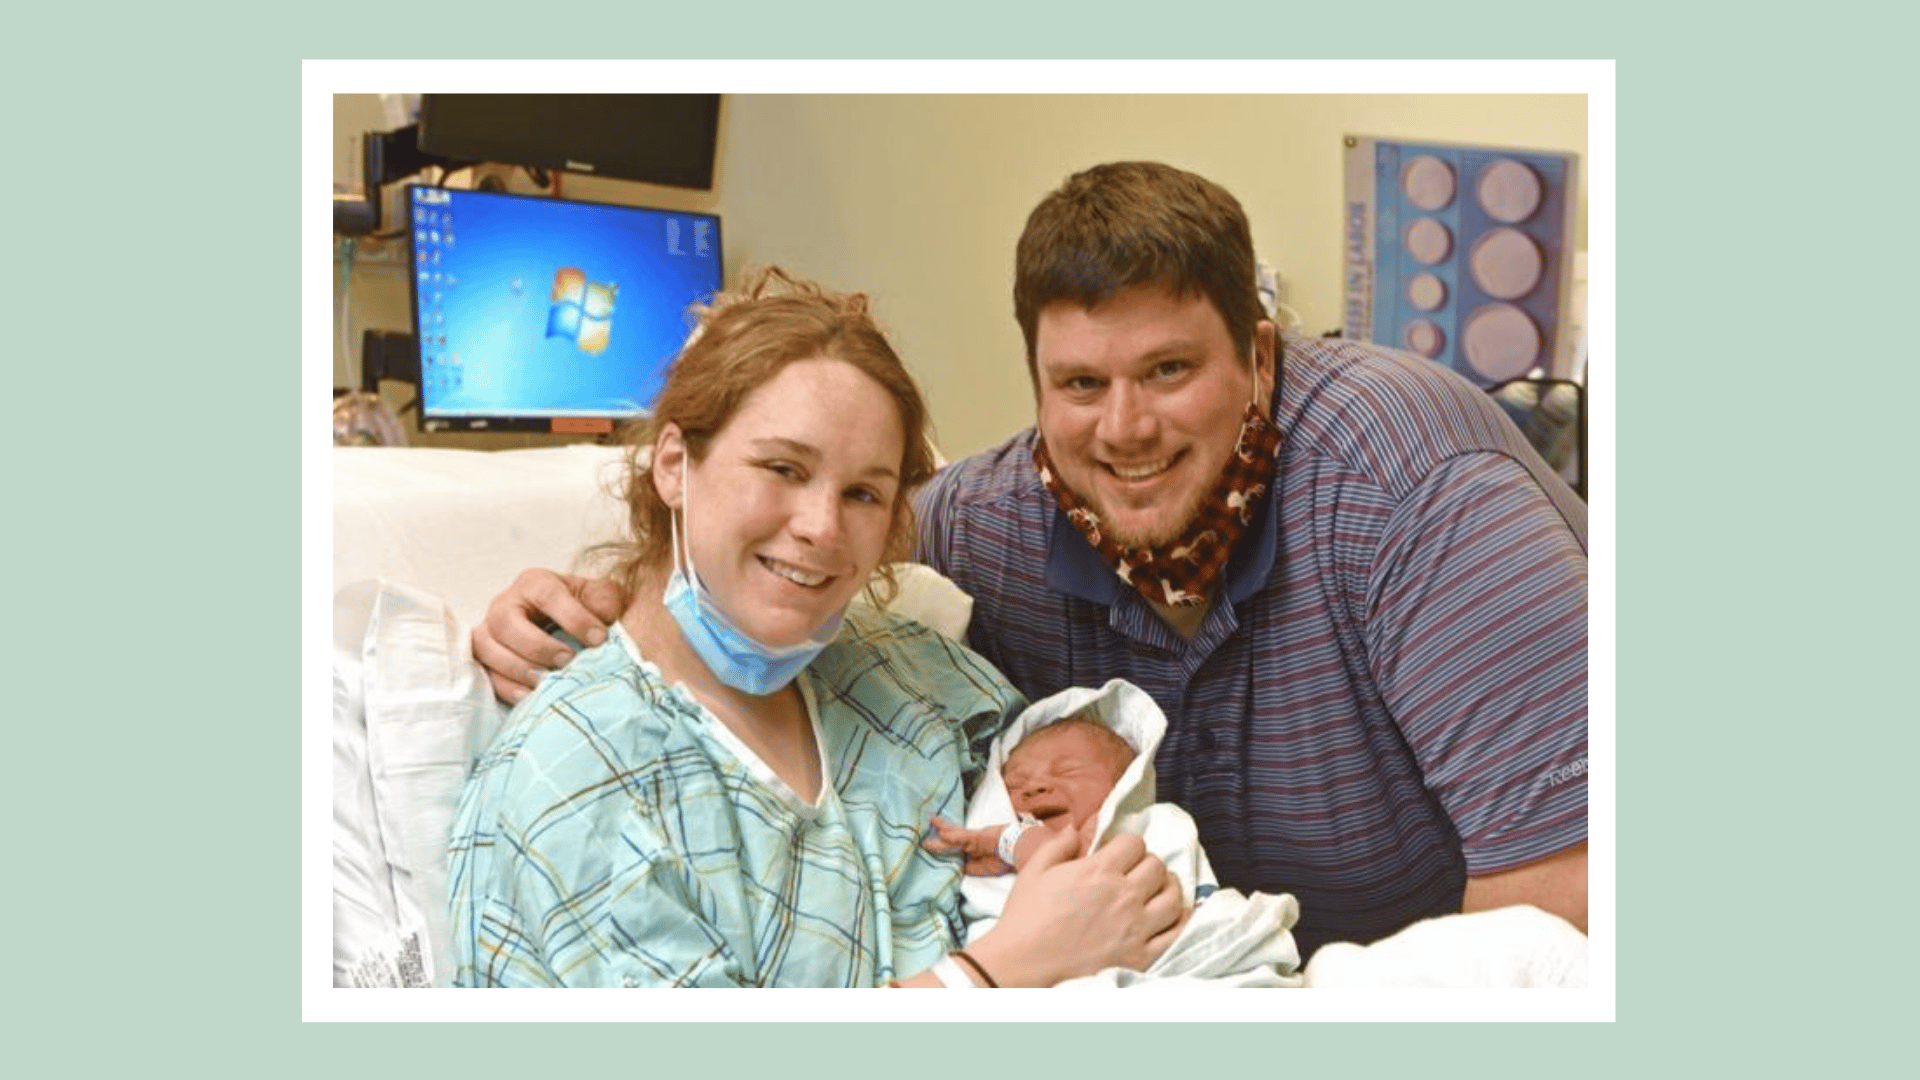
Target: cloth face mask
x,y
1184,571
734,657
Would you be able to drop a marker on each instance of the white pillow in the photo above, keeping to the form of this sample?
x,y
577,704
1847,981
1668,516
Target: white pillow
x,y
412,712
928,597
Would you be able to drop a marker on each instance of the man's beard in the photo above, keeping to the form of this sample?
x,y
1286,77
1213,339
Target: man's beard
x,y
1181,523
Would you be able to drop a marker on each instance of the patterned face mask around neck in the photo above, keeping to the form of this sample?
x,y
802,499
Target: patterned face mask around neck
x,y
734,657
1184,571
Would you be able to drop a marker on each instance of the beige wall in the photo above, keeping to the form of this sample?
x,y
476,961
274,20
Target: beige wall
x,y
919,199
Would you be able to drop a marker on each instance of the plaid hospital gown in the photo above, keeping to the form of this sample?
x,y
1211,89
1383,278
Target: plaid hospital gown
x,y
616,834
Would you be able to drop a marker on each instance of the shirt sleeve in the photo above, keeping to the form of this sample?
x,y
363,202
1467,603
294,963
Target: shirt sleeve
x,y
973,703
907,713
933,511
992,704
926,911
1476,624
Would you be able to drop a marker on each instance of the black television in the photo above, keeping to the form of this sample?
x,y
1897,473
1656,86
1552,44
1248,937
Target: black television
x,y
655,138
541,314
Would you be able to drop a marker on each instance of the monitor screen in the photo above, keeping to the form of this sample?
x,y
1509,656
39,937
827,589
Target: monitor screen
x,y
533,313
656,138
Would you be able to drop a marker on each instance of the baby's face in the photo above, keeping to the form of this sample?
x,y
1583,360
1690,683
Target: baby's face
x,y
1062,774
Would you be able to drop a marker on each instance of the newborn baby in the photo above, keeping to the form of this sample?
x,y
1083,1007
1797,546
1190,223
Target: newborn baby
x,y
1058,777
1082,760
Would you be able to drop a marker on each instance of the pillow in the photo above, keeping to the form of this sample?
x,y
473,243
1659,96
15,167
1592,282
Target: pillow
x,y
412,712
927,597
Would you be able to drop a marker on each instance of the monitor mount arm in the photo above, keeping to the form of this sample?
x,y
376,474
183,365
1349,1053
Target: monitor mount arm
x,y
387,156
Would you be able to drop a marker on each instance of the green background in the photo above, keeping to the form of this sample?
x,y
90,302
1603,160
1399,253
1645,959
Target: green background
x,y
1764,366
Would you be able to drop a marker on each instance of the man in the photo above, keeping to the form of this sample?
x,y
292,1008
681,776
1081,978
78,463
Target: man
x,y
1356,592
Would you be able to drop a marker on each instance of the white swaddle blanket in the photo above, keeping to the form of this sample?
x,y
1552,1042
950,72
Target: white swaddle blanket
x,y
1510,946
1231,940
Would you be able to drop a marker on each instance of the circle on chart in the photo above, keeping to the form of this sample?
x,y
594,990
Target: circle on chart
x,y
1506,263
1509,191
1428,182
1426,292
1429,241
1501,342
1425,337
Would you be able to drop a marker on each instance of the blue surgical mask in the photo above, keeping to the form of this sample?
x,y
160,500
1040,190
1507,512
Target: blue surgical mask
x,y
734,658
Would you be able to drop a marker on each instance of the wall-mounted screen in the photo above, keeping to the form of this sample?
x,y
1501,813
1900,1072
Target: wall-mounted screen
x,y
534,313
655,138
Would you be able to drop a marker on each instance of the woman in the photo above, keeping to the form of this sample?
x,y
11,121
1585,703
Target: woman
x,y
733,788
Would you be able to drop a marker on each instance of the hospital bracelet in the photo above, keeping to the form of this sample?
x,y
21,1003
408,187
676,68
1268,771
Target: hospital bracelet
x,y
951,976
1010,836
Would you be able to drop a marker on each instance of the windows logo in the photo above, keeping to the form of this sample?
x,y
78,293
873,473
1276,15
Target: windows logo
x,y
582,311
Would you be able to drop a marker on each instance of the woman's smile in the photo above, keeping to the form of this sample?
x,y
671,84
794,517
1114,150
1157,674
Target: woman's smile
x,y
798,575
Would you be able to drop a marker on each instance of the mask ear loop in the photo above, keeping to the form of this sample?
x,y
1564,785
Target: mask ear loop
x,y
680,521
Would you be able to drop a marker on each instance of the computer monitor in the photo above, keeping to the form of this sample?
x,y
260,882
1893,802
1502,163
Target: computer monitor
x,y
544,314
654,138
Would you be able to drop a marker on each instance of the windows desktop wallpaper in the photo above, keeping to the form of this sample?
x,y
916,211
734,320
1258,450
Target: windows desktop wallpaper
x,y
531,307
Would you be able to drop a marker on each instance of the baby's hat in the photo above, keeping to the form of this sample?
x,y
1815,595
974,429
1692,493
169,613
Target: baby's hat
x,y
1119,705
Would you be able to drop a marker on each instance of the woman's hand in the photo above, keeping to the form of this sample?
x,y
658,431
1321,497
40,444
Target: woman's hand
x,y
1066,917
513,646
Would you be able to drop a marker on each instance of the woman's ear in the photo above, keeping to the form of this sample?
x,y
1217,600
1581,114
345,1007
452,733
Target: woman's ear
x,y
669,457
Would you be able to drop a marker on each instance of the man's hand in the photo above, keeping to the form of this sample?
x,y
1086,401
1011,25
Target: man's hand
x,y
511,643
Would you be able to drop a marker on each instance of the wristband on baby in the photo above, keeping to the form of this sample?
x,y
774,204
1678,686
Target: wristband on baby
x,y
951,975
1010,836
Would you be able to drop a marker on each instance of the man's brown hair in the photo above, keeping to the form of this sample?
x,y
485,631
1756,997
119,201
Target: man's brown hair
x,y
1130,223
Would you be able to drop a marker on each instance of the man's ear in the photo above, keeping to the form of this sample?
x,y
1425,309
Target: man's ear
x,y
1266,344
669,456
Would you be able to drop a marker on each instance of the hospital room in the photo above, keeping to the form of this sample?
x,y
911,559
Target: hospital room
x,y
516,280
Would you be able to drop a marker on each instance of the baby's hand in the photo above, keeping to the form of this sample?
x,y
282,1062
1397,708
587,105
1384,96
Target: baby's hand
x,y
980,846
